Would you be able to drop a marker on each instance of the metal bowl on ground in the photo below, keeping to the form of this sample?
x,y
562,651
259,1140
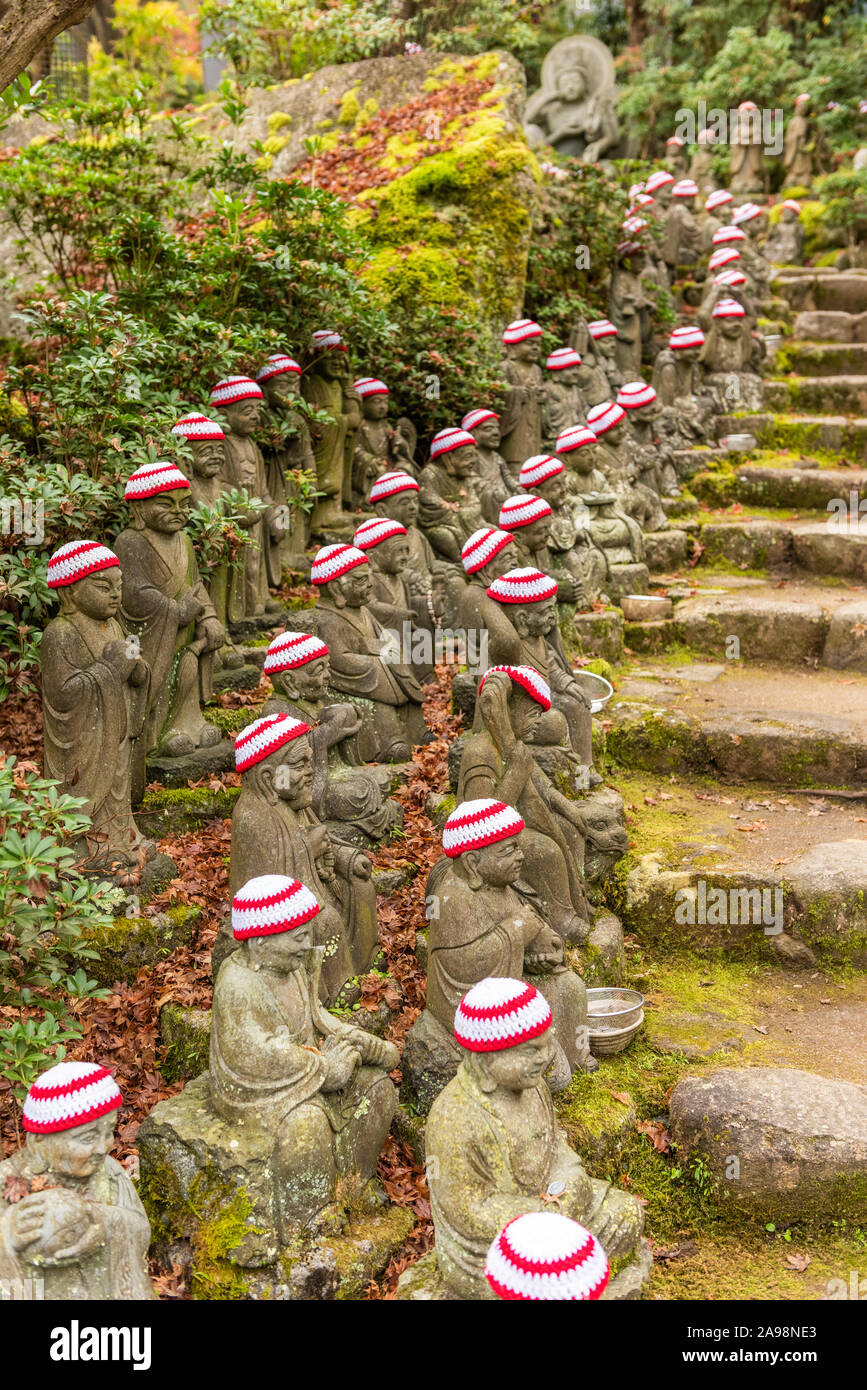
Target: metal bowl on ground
x,y
597,687
646,608
739,443
614,1016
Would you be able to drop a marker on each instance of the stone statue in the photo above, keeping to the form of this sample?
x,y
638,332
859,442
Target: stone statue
x,y
484,426
94,699
529,519
602,377
386,545
729,357
718,207
619,536
449,509
564,400
385,692
574,109
75,1229
675,157
569,544
345,791
701,164
798,146
395,496
379,447
487,554
614,459
746,168
326,386
681,241
629,309
679,384
521,422
283,1067
785,241
165,605
286,449
751,219
654,460
275,830
498,1148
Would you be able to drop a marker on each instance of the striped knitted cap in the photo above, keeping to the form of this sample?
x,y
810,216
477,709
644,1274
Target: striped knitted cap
x,y
746,213
633,225
264,736
526,585
602,328
277,364
563,357
635,189
685,188
748,106
724,235
528,678
604,417
792,205
575,437
389,484
523,511
539,469
474,418
153,479
76,560
235,388
375,531
687,337
717,199
271,904
520,329
482,546
724,255
500,1013
658,180
634,394
334,560
474,824
628,248
69,1094
706,137
730,278
444,441
198,427
291,649
325,338
728,309
370,386
674,140
643,200
545,1257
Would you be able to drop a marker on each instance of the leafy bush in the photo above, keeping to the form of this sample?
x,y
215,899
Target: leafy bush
x,y
155,50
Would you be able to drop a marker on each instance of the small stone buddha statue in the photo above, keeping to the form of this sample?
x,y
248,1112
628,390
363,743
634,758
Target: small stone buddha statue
x,y
569,544
628,308
730,356
280,1063
386,545
675,157
798,146
286,448
619,536
379,447
78,1231
681,240
495,476
521,421
498,1149
601,375
730,283
564,399
653,457
529,519
718,207
701,163
746,168
326,386
486,555
94,699
395,496
449,509
785,241
614,459
679,383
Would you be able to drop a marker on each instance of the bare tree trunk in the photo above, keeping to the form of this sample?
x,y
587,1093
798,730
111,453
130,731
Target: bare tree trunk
x,y
27,26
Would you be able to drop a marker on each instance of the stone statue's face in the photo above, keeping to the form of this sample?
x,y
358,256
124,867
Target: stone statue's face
x,y
208,456
567,376
282,388
615,436
664,195
461,463
354,587
403,507
646,414
307,682
374,407
332,364
97,596
524,714
282,953
500,864
75,1153
488,434
536,534
689,354
787,215
530,350
293,773
581,461
243,416
166,513
605,346
730,328
499,564
554,492
571,85
391,556
521,1068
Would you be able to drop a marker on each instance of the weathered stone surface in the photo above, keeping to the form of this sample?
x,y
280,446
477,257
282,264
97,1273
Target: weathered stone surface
x,y
811,488
422,1282
133,943
827,359
600,634
768,629
842,394
826,325
846,644
664,551
191,767
186,1036
800,1141
825,892
823,549
692,1035
244,677
753,545
825,290
603,955
802,433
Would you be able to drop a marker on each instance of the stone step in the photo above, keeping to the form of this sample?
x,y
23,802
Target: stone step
x,y
832,394
827,359
825,289
815,547
825,434
831,326
794,487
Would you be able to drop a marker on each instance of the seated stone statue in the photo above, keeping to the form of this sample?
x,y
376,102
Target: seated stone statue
x,y
529,520
379,447
681,239
730,283
94,699
569,545
729,359
629,308
386,693
751,219
599,376
448,493
286,447
165,605
345,791
620,538
386,545
282,1066
564,399
276,829
653,457
495,477
785,240
326,386
498,1148
574,109
687,405
608,423
79,1232
487,554
521,421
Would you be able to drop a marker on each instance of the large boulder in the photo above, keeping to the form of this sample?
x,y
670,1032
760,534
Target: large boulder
x,y
779,1144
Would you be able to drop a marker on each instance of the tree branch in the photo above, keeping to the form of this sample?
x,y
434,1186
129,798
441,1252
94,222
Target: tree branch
x,y
27,26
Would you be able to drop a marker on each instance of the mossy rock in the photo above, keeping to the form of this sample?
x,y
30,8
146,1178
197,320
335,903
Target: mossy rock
x,y
232,721
129,944
598,1124
184,808
186,1037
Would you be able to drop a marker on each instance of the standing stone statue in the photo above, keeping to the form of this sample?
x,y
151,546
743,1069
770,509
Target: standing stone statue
x,y
284,1068
681,242
379,447
498,1148
718,207
730,283
286,449
785,243
629,308
166,606
569,544
729,357
798,146
746,168
601,376
326,386
564,399
521,421
395,496
275,830
94,698
74,1230
701,164
574,109
448,492
675,157
654,460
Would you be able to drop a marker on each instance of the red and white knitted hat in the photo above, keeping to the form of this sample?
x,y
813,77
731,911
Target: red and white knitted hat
x,y
724,235
634,394
602,328
633,225
539,469
69,1094
264,736
658,180
370,386
325,338
707,137
575,437
724,255
500,1013
545,1257
482,546
728,309
748,106
271,904
628,248
717,199
277,365
523,511
730,278
526,585
520,329
334,560
643,200
690,336
792,205
291,649
390,483
235,388
474,418
634,189
374,532
528,678
444,441
747,212
685,188
604,417
474,824
152,479
76,560
563,357
198,427
674,140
